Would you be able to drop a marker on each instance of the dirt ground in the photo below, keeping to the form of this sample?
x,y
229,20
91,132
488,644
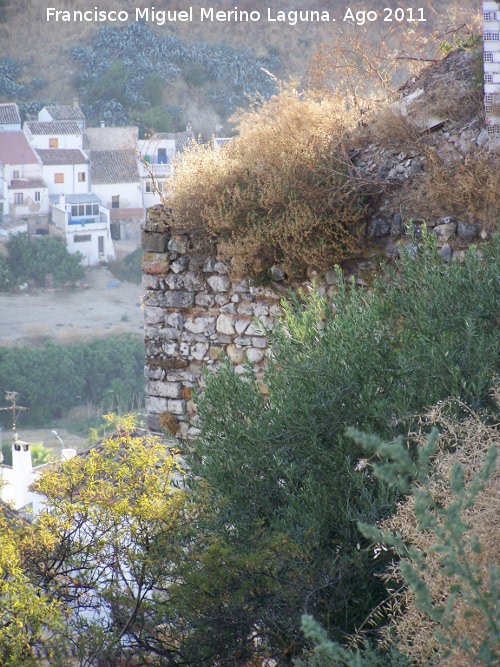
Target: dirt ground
x,y
102,307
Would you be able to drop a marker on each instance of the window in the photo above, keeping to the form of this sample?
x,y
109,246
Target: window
x,y
53,142
489,16
95,209
37,196
82,238
115,201
18,197
15,174
100,245
58,178
488,57
38,221
488,78
149,186
491,37
82,177
74,210
81,209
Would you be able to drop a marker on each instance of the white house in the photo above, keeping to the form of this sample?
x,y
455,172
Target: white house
x,y
85,225
115,180
65,170
63,113
16,479
54,134
23,191
10,120
156,155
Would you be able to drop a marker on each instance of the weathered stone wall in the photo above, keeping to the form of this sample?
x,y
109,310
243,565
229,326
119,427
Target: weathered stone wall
x,y
194,311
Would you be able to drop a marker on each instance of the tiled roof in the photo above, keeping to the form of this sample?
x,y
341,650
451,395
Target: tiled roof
x,y
66,112
9,114
114,167
12,515
54,127
25,183
61,156
15,149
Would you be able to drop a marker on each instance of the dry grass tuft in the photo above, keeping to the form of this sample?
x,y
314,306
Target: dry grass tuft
x,y
169,422
464,186
282,191
467,442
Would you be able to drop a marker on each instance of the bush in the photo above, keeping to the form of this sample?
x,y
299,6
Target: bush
x,y
32,259
447,532
287,483
281,191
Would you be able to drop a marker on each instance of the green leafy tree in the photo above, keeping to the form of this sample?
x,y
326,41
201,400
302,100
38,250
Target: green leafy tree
x,y
280,469
6,281
32,259
28,616
111,518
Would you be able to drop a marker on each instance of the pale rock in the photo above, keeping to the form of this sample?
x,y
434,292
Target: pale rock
x,y
243,341
245,308
199,350
175,320
163,389
260,342
254,355
154,315
219,283
204,300
192,282
199,324
220,267
178,244
176,407
261,309
209,264
241,326
235,354
184,349
225,324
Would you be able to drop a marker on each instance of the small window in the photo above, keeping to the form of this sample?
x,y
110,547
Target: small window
x,y
58,178
488,57
82,177
18,197
149,186
488,78
37,196
15,174
82,238
38,221
489,16
74,210
115,201
81,209
53,142
95,209
491,37
88,209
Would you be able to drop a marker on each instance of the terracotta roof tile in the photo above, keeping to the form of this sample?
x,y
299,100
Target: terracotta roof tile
x,y
54,127
9,113
114,167
61,156
66,112
15,149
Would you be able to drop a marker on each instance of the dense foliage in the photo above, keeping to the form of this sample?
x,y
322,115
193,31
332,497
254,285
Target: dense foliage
x,y
31,259
129,268
52,379
12,86
120,65
287,483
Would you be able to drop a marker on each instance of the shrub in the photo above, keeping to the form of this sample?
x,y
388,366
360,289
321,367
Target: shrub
x,y
279,192
447,532
287,483
32,259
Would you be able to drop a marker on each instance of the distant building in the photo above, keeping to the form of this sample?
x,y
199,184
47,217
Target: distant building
x,y
10,120
54,134
63,113
85,225
65,170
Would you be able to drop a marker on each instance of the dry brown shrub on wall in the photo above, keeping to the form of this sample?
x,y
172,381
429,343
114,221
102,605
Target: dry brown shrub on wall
x,y
282,191
467,442
464,186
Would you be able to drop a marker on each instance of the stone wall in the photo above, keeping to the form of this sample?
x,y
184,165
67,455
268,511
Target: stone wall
x,y
194,311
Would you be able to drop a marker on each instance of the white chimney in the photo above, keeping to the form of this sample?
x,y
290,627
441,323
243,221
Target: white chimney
x,y
75,101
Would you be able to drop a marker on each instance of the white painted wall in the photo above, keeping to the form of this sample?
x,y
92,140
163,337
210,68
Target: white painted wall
x,y
71,183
